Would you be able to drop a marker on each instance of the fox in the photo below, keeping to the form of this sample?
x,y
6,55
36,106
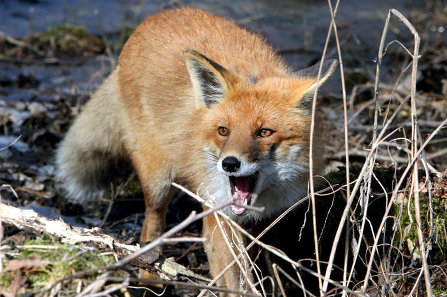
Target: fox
x,y
200,101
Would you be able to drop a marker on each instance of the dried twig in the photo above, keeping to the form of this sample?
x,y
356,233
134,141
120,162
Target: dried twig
x,y
124,284
20,43
263,245
145,281
159,241
414,142
393,199
345,119
31,221
311,138
355,189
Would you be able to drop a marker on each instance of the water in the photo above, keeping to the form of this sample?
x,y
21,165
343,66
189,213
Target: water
x,y
296,28
288,24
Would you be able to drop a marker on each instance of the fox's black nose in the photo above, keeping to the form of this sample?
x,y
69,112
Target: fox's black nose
x,y
231,164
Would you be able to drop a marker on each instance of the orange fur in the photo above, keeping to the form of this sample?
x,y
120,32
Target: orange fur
x,y
183,74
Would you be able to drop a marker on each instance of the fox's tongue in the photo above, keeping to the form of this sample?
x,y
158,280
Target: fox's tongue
x,y
242,191
242,184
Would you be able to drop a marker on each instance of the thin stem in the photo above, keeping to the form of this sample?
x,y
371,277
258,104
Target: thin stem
x,y
311,137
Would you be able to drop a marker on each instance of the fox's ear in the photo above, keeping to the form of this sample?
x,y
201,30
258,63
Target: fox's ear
x,y
209,80
307,82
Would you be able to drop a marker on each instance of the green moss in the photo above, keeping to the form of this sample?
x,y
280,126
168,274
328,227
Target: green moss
x,y
435,234
63,260
67,40
6,280
439,291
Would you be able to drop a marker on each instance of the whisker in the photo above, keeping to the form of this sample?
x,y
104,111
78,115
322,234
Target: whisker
x,y
212,156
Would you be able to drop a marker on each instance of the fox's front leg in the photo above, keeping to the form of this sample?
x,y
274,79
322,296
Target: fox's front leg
x,y
156,185
154,224
155,215
155,181
220,256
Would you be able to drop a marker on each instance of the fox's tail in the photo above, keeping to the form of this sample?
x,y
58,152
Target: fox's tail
x,y
92,154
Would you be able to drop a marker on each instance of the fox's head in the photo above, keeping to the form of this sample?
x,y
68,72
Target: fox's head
x,y
255,133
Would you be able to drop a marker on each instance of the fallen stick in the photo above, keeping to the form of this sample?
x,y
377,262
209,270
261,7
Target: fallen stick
x,y
30,221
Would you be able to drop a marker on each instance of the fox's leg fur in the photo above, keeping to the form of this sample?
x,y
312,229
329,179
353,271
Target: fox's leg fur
x,y
158,192
154,173
92,154
219,254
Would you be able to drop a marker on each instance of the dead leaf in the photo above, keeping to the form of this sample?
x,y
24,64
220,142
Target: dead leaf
x,y
18,283
27,264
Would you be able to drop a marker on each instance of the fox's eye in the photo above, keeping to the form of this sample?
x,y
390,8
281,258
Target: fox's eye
x,y
265,133
223,131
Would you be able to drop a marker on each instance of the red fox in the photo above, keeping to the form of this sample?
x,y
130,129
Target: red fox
x,y
200,101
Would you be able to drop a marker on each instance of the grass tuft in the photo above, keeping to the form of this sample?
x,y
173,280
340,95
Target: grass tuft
x,y
43,261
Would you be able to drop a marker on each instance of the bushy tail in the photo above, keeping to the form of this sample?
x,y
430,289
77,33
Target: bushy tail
x,y
92,154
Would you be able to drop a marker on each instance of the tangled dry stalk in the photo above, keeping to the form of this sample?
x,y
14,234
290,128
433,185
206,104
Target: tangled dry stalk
x,y
363,182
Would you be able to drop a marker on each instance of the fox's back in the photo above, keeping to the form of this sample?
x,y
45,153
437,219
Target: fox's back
x,y
152,67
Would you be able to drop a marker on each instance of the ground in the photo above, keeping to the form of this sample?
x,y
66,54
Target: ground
x,y
47,76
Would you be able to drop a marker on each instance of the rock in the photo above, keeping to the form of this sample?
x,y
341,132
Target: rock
x,y
36,108
20,105
5,154
15,116
14,142
34,186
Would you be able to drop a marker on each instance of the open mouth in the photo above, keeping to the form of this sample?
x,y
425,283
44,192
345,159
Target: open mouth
x,y
242,188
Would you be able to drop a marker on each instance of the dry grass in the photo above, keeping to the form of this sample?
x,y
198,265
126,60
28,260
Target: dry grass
x,y
411,189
